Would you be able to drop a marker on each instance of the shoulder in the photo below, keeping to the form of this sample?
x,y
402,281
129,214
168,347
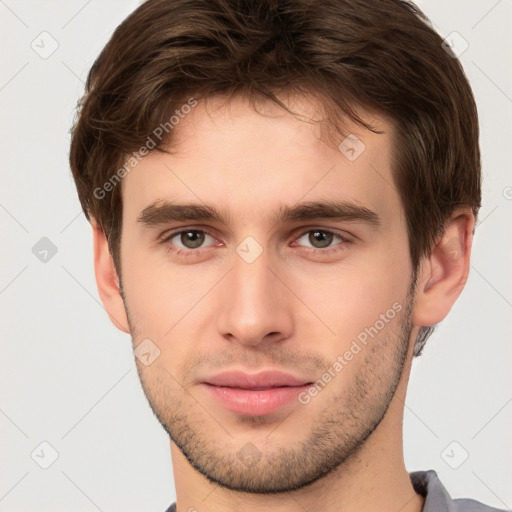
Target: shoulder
x,y
437,498
469,505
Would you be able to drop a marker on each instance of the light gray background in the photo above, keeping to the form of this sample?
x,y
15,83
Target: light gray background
x,y
68,376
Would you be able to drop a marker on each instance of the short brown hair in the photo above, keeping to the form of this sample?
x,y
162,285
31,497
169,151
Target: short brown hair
x,y
378,56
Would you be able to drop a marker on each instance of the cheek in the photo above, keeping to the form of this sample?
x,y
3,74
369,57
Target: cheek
x,y
173,305
351,296
155,292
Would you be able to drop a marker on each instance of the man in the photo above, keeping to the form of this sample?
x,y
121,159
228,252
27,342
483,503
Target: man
x,y
283,196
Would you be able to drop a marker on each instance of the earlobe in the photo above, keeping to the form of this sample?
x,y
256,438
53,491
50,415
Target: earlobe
x,y
107,280
443,275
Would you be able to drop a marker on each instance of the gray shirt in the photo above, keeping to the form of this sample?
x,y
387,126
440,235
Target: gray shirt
x,y
437,499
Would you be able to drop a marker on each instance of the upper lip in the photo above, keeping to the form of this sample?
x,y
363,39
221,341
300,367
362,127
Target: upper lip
x,y
264,379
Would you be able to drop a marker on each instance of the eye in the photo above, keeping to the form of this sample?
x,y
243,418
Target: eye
x,y
187,240
321,239
191,242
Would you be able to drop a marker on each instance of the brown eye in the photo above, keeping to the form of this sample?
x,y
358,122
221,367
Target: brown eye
x,y
188,241
192,239
320,239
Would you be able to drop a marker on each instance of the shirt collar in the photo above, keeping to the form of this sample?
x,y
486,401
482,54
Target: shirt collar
x,y
437,498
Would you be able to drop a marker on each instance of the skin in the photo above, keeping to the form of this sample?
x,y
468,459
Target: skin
x,y
296,308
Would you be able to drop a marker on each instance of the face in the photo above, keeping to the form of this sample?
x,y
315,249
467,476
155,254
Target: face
x,y
256,247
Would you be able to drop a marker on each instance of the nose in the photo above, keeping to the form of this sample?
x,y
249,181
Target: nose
x,y
256,306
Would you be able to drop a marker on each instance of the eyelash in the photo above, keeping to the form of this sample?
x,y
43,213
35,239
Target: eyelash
x,y
195,252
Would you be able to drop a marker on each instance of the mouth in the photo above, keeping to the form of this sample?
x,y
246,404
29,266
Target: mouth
x,y
260,388
254,394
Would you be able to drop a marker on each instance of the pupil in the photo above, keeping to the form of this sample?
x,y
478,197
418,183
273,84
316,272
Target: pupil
x,y
320,238
192,239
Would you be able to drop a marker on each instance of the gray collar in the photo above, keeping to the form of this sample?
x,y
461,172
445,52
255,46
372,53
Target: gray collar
x,y
427,484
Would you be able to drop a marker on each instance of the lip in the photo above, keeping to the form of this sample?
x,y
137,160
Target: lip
x,y
254,394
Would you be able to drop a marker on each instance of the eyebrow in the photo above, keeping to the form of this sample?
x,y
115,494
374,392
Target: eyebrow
x,y
164,212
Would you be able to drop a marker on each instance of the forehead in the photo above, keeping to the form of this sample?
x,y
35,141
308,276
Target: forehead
x,y
251,161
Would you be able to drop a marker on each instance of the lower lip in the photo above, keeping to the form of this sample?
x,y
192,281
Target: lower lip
x,y
252,402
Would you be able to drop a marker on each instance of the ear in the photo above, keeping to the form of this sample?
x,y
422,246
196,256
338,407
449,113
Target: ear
x,y
443,274
107,280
